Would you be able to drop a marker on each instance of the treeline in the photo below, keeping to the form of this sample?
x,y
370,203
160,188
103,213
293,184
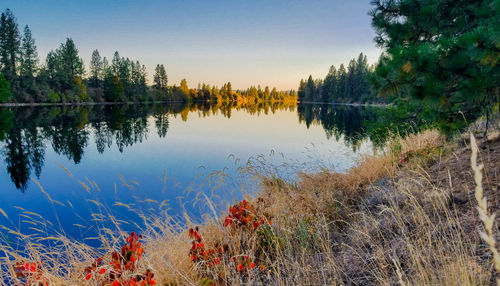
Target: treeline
x,y
62,78
342,85
122,80
205,92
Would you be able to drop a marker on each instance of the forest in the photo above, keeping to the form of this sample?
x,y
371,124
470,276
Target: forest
x,y
63,78
342,85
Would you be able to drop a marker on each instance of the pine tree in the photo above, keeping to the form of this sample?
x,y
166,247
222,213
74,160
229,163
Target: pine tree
x,y
160,78
105,68
441,55
349,95
343,86
51,68
142,81
29,59
310,89
361,71
301,90
115,63
157,77
96,69
70,64
330,85
10,46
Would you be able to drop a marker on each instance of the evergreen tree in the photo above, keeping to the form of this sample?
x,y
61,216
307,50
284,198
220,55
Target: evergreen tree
x,y
10,46
115,63
96,69
330,85
301,91
70,65
51,68
124,74
350,95
143,86
29,59
441,55
342,83
160,78
105,68
310,89
362,73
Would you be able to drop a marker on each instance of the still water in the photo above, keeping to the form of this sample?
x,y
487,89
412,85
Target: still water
x,y
73,167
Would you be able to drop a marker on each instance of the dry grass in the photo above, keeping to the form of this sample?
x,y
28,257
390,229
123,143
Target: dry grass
x,y
374,225
423,140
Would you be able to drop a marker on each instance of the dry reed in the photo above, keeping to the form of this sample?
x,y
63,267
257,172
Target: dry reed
x,y
482,208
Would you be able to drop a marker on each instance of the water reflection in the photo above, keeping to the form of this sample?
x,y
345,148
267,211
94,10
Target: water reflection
x,y
25,132
339,120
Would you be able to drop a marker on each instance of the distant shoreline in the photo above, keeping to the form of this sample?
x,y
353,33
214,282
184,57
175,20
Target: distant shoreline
x,y
31,104
347,104
36,104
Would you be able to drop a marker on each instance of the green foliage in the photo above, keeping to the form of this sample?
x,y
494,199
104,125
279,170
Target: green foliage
x,y
113,88
5,93
96,69
443,55
70,64
54,97
184,89
10,45
207,282
160,79
63,65
29,60
80,90
349,85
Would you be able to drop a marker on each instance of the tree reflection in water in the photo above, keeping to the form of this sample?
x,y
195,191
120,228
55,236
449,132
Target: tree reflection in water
x,y
26,131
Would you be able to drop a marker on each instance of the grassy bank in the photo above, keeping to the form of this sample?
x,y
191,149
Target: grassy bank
x,y
405,216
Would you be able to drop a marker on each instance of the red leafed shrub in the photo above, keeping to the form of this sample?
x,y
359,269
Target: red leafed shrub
x,y
208,257
122,268
245,215
245,221
31,273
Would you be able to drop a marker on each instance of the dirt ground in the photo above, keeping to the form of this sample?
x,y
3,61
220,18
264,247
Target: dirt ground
x,y
454,172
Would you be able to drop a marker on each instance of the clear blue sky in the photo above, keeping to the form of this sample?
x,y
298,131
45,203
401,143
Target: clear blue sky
x,y
264,42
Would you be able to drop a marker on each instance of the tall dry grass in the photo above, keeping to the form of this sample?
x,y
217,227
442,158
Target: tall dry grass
x,y
373,225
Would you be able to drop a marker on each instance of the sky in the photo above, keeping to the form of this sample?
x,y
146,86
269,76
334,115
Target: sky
x,y
258,42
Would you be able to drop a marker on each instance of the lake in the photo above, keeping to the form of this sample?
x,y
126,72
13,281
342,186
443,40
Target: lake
x,y
72,168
